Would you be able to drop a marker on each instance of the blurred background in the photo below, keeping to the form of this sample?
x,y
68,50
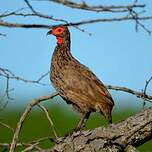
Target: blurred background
x,y
115,52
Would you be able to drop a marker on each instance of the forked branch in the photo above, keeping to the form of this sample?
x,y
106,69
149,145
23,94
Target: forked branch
x,y
24,116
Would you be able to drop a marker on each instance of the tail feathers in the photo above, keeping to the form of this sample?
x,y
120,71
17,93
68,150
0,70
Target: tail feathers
x,y
105,110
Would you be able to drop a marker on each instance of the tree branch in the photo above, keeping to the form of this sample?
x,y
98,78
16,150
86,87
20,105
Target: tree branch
x,y
7,126
145,90
7,145
8,75
91,21
24,116
133,92
52,126
130,9
38,14
97,8
2,34
133,132
18,25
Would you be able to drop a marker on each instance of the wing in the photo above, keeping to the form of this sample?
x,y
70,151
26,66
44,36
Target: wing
x,y
98,85
83,88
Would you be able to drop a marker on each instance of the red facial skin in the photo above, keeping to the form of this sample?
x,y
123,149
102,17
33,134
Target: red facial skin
x,y
59,40
58,33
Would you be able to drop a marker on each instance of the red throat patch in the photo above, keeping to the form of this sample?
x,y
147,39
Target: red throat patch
x,y
59,40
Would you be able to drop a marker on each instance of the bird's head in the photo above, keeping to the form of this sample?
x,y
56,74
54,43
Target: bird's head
x,y
61,32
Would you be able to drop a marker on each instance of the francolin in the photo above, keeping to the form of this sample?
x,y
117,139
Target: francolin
x,y
76,83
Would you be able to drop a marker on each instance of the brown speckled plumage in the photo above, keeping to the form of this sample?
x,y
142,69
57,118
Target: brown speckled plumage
x,y
76,84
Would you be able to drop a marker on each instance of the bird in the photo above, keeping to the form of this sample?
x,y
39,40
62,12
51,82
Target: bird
x,y
75,82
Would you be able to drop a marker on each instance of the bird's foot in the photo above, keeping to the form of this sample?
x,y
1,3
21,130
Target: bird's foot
x,y
56,140
74,132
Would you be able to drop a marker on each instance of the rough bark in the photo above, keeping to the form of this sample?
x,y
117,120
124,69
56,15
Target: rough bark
x,y
121,136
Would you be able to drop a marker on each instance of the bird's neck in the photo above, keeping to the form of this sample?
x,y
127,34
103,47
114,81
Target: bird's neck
x,y
63,42
62,50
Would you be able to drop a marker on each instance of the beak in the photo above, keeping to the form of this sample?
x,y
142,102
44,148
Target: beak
x,y
49,32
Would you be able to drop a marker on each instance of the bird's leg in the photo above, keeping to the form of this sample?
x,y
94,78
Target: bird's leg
x,y
110,120
82,121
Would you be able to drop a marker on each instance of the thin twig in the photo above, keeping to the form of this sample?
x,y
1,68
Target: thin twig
x,y
24,116
30,148
6,73
42,15
7,145
2,34
133,92
97,8
10,75
146,85
83,22
145,90
7,126
138,23
7,88
17,25
49,119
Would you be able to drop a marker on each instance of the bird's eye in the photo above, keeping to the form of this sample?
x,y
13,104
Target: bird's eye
x,y
59,30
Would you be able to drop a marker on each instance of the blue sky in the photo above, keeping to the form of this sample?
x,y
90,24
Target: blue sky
x,y
115,52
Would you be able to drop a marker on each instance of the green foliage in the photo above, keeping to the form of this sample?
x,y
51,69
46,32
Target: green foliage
x,y
36,125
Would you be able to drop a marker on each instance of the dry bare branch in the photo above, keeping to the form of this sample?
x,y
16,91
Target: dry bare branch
x,y
7,126
131,9
135,15
133,132
133,92
128,8
30,148
97,8
6,73
17,25
146,85
24,116
38,14
1,34
49,119
33,143
145,90
42,16
10,75
31,15
83,22
7,146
